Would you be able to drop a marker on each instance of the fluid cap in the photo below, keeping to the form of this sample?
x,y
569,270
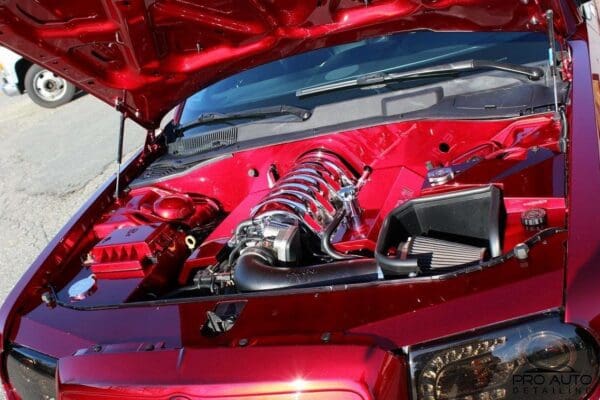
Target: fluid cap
x,y
440,176
534,218
174,207
82,288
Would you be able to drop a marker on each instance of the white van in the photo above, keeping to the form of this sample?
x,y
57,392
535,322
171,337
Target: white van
x,y
18,76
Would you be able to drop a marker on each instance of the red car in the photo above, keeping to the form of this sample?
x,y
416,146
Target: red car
x,y
379,199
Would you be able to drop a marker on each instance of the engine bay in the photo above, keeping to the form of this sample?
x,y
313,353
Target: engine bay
x,y
414,199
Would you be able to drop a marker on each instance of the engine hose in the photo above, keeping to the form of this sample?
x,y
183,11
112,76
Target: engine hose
x,y
236,250
395,266
254,271
326,239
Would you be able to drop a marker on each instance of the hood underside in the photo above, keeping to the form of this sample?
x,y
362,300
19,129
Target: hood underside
x,y
148,56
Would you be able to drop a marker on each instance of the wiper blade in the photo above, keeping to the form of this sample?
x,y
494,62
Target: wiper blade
x,y
532,73
255,113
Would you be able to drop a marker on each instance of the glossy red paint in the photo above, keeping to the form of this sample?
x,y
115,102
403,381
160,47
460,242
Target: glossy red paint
x,y
127,252
395,155
314,374
582,304
132,248
335,342
396,314
58,249
148,56
152,206
174,207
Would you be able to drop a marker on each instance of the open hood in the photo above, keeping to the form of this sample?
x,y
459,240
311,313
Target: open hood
x,y
146,56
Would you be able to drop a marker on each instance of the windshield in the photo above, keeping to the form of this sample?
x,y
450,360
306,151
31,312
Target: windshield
x,y
276,83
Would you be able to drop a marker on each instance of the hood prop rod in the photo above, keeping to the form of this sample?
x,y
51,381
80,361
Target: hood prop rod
x,y
120,153
559,114
552,57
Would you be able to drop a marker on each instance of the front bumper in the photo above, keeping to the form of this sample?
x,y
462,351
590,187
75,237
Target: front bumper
x,y
9,89
317,372
8,82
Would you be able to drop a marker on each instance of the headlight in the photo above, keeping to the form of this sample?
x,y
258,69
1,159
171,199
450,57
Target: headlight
x,y
31,374
541,358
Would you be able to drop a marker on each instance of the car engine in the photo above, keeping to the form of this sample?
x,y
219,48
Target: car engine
x,y
302,209
346,208
293,224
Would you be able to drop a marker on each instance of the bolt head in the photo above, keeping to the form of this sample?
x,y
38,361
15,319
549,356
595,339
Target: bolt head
x,y
521,251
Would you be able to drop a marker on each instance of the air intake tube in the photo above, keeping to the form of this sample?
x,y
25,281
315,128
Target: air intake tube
x,y
254,271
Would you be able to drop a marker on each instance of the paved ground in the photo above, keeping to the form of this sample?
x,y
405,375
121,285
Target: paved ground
x,y
51,161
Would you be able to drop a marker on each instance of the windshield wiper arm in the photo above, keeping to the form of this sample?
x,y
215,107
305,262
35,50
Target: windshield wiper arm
x,y
255,113
532,73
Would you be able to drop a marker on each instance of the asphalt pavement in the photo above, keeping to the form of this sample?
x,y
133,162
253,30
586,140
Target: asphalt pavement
x,y
51,161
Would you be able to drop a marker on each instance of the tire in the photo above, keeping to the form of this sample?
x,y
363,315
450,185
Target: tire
x,y
46,88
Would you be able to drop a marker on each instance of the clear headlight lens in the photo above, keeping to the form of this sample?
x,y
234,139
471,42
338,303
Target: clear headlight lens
x,y
537,359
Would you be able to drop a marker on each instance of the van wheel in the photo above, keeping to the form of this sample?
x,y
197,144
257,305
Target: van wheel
x,y
46,88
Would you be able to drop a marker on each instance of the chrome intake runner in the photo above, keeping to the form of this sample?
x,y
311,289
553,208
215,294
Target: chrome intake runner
x,y
310,192
293,226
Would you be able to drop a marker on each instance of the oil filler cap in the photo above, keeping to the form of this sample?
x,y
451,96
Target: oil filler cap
x,y
82,288
534,218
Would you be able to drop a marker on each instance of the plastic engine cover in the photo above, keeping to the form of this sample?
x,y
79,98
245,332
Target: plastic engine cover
x,y
131,252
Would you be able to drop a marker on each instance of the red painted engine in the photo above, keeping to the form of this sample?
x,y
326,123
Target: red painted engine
x,y
310,212
150,236
133,251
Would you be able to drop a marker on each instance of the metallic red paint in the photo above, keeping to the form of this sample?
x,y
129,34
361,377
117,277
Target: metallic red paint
x,y
174,207
152,205
132,252
315,374
582,306
148,56
129,235
332,342
397,153
377,318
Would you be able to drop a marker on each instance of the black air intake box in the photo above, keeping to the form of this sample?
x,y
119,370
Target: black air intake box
x,y
473,217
